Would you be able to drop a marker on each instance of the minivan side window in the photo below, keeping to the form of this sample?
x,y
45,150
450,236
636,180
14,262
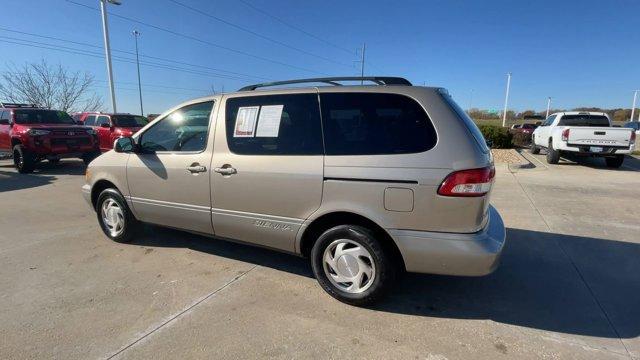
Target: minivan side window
x,y
274,125
185,129
374,124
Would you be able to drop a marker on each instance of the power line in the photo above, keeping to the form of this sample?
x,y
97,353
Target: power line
x,y
241,28
263,12
125,82
240,52
247,76
83,52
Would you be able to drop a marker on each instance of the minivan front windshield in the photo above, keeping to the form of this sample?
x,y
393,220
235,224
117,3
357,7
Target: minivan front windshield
x,y
42,116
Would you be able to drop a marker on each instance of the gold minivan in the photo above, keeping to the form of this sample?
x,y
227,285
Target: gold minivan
x,y
367,181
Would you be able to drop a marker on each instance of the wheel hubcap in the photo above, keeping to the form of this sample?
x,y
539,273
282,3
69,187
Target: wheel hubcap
x,y
112,217
349,266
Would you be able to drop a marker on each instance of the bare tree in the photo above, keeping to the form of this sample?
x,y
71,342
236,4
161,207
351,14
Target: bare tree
x,y
53,87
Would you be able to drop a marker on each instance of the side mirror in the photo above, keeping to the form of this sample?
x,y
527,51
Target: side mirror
x,y
124,145
105,125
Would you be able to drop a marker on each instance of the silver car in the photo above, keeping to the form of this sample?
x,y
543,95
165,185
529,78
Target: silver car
x,y
366,181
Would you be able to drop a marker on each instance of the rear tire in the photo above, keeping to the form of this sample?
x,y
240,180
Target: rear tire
x,y
534,149
351,265
614,162
553,156
115,217
23,160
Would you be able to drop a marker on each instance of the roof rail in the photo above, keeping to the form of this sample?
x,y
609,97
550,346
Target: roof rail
x,y
380,80
17,105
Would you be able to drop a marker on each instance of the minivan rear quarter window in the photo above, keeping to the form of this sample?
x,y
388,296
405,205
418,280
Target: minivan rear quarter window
x,y
374,124
274,125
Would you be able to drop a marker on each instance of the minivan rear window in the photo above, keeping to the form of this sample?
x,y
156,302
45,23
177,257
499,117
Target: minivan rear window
x,y
584,120
471,126
374,124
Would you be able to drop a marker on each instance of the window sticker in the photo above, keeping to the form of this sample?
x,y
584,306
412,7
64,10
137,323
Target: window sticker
x,y
246,121
269,121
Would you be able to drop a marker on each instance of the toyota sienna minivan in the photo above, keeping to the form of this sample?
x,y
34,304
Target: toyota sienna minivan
x,y
367,181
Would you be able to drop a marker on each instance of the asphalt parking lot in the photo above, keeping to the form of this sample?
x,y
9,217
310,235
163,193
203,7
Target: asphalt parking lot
x,y
568,286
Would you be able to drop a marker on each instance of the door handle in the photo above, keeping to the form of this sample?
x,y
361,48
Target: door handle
x,y
226,169
196,168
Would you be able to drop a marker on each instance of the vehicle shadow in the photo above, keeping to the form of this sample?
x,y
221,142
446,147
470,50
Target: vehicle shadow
x,y
165,237
64,167
630,163
10,181
538,285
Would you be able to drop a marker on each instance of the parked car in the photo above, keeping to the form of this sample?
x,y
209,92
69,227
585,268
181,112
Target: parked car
x,y
366,181
32,134
583,133
514,127
523,128
635,125
112,126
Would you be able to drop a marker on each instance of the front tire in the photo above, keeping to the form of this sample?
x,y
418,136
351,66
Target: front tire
x,y
88,157
115,217
534,149
614,162
351,265
23,160
553,156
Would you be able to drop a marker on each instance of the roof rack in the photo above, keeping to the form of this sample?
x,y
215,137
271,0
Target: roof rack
x,y
17,105
380,80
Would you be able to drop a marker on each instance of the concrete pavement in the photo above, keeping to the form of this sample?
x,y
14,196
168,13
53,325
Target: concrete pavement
x,y
568,286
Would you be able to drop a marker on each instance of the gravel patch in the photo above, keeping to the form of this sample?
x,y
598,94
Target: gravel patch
x,y
508,156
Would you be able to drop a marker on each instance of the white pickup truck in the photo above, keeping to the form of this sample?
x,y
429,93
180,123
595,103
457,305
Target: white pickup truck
x,y
583,133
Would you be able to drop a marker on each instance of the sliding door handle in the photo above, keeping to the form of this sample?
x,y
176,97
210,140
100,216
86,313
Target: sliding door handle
x,y
196,168
226,169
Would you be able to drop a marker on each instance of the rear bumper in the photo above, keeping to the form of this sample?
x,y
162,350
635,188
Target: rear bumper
x,y
606,150
473,254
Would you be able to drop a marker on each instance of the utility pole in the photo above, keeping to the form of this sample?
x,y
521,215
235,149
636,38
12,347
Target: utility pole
x,y
506,101
364,48
136,33
107,48
548,106
633,107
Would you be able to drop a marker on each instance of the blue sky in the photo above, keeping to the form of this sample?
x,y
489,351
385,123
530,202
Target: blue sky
x,y
582,53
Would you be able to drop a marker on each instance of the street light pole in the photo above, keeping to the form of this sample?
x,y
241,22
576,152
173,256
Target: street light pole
x,y
364,48
107,48
136,33
633,107
548,106
506,101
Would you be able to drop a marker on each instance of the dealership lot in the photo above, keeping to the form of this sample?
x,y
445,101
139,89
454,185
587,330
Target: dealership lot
x,y
568,286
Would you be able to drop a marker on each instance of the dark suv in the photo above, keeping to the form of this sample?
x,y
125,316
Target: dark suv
x,y
33,134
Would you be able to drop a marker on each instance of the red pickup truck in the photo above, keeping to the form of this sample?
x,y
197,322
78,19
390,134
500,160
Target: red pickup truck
x,y
111,126
32,134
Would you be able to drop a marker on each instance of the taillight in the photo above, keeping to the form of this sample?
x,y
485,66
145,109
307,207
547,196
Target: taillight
x,y
633,136
565,134
473,182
